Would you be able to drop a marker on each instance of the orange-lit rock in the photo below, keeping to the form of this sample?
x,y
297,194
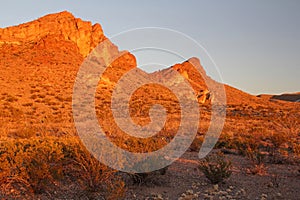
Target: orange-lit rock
x,y
85,35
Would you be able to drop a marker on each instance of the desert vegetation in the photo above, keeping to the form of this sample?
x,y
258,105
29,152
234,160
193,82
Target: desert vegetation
x,y
51,165
36,163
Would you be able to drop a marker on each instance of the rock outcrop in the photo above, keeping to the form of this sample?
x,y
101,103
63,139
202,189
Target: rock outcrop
x,y
62,25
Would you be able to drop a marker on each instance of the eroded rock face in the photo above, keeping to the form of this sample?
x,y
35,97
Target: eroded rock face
x,y
85,35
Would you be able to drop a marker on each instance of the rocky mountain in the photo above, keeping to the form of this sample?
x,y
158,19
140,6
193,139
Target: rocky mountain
x,y
62,26
39,61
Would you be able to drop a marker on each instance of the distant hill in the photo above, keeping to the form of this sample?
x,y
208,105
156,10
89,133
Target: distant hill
x,y
292,97
288,97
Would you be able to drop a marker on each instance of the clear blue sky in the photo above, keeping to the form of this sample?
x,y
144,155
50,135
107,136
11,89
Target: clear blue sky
x,y
255,44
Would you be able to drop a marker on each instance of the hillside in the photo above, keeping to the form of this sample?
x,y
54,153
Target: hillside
x,y
39,62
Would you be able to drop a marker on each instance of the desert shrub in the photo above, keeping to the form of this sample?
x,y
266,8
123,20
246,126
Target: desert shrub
x,y
276,149
142,146
251,147
43,161
215,167
255,156
239,141
92,175
257,161
46,164
37,163
284,140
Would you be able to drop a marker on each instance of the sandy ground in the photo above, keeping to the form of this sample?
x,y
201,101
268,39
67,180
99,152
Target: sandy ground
x,y
184,180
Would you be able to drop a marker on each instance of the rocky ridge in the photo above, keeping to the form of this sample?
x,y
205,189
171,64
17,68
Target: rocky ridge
x,y
62,25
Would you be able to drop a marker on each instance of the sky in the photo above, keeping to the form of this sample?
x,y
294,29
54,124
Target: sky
x,y
254,44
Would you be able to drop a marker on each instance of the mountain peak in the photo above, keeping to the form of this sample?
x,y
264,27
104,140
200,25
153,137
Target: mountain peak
x,y
63,24
60,15
64,14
